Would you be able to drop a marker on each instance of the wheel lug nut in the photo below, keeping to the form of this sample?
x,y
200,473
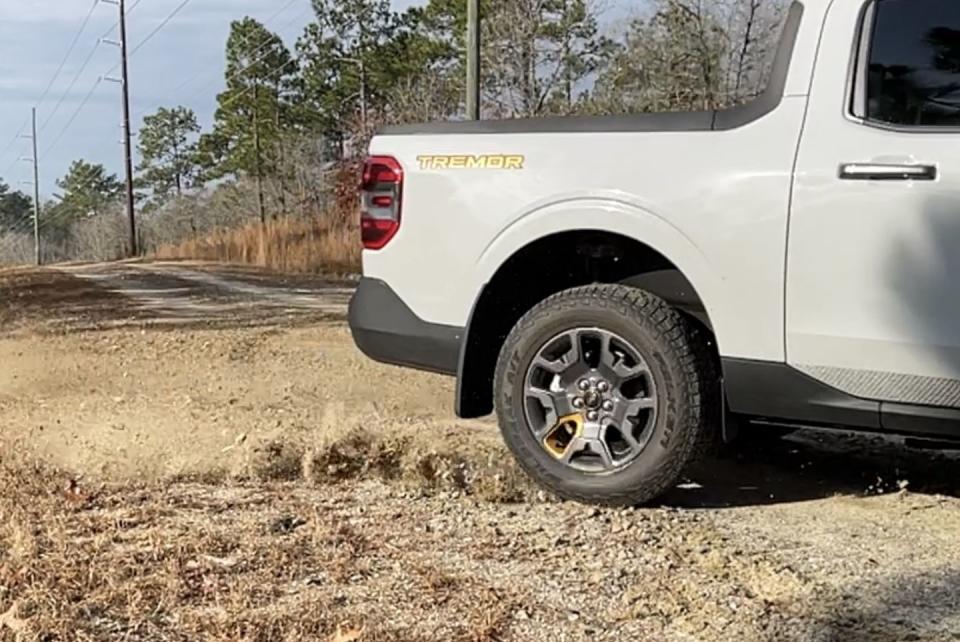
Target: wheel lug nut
x,y
578,403
603,386
608,405
584,384
593,415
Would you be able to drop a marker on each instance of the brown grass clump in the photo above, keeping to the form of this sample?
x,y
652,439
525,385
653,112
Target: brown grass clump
x,y
426,457
435,461
327,246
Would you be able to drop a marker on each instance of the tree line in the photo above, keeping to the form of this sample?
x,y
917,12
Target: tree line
x,y
288,117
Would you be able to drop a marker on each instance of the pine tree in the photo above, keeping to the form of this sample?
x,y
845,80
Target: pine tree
x,y
348,65
168,151
16,209
88,190
254,108
254,112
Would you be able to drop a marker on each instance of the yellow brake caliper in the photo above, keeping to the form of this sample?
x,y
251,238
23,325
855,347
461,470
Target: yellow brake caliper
x,y
560,438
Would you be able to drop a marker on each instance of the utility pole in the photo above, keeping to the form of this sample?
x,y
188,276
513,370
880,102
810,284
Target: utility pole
x,y
127,147
282,154
36,192
473,59
362,64
36,185
363,95
256,152
176,154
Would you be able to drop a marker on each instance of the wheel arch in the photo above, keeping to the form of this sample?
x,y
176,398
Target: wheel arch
x,y
524,273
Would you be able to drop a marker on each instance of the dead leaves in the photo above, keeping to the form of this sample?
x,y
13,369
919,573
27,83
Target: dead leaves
x,y
77,495
9,620
350,635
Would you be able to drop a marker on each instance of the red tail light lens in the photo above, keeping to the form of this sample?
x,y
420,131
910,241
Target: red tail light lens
x,y
381,195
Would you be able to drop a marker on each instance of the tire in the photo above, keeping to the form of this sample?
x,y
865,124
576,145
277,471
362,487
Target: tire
x,y
682,371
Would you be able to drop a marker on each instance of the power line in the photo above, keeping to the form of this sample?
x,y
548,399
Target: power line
x,y
153,33
9,146
163,24
6,172
24,225
13,163
73,83
264,44
252,87
116,24
76,113
56,140
279,11
56,219
66,57
240,72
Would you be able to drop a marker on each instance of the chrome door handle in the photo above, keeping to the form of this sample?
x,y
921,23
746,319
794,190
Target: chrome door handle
x,y
885,172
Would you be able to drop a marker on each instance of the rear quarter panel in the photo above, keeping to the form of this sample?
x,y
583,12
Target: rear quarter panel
x,y
714,203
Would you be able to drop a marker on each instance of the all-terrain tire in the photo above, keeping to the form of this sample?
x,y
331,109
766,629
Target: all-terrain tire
x,y
678,353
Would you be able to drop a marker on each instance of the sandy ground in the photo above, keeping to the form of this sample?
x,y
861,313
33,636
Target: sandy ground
x,y
193,452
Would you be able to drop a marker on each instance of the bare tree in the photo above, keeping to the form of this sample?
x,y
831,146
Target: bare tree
x,y
691,54
16,248
754,30
536,53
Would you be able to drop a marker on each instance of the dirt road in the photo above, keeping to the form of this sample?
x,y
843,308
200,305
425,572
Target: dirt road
x,y
193,452
175,295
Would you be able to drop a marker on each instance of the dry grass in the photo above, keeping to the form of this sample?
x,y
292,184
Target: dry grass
x,y
323,246
285,548
159,562
364,562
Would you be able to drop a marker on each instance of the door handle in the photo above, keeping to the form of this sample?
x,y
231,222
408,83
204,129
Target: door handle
x,y
887,172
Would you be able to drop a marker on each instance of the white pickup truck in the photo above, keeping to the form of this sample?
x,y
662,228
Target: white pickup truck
x,y
621,288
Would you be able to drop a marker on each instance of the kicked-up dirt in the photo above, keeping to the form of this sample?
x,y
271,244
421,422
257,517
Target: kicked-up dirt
x,y
193,452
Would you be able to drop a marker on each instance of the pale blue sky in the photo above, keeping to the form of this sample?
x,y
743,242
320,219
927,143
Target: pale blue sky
x,y
181,64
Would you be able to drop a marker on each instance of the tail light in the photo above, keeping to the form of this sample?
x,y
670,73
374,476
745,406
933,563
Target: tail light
x,y
382,191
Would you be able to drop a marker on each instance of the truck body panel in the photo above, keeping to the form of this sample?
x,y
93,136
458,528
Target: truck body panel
x,y
612,182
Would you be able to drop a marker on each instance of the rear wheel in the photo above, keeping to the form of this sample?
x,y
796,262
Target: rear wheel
x,y
606,394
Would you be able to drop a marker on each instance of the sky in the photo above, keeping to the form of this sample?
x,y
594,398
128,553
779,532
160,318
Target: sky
x,y
182,63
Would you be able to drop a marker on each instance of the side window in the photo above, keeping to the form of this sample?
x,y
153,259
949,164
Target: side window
x,y
913,66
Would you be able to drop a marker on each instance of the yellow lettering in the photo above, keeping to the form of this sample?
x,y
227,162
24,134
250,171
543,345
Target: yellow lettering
x,y
462,161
